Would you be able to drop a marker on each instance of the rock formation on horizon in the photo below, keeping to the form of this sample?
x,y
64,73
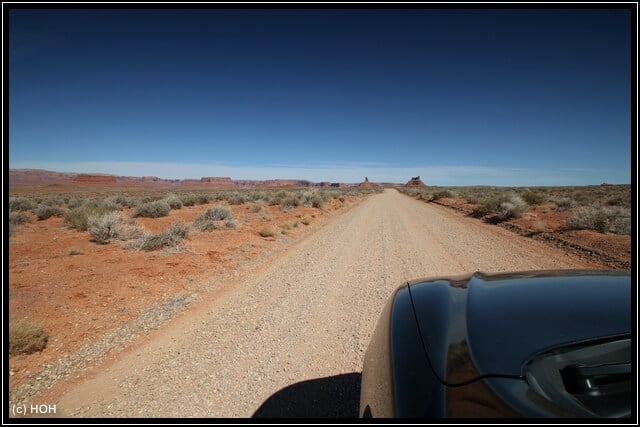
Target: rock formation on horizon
x,y
367,184
415,182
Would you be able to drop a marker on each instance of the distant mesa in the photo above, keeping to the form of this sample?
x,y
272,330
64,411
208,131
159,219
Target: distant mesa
x,y
415,182
209,182
94,179
217,179
39,177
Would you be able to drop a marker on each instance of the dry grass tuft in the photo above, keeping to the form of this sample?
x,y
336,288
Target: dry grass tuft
x,y
26,336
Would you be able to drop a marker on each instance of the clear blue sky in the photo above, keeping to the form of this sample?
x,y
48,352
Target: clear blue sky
x,y
460,97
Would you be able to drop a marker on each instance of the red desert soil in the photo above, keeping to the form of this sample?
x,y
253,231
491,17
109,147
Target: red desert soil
x,y
81,289
552,225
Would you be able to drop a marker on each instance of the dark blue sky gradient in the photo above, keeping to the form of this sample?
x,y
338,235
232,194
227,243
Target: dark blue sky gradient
x,y
537,90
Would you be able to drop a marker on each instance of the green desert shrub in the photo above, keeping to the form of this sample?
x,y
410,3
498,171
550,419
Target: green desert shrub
x,y
148,198
54,201
26,336
176,233
215,218
173,201
78,217
504,205
153,242
512,208
442,194
203,224
532,198
237,198
74,203
564,203
178,230
601,218
107,227
20,204
196,199
154,209
121,201
47,211
618,201
18,218
289,202
218,213
317,201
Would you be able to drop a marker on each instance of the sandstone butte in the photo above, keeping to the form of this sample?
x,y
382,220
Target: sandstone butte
x,y
415,182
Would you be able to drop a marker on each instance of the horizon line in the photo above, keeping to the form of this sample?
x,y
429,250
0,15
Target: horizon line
x,y
439,175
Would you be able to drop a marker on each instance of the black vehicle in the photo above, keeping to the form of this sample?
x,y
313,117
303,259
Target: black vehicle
x,y
528,344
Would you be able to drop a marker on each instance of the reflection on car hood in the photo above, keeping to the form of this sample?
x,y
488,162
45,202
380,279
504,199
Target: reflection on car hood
x,y
484,324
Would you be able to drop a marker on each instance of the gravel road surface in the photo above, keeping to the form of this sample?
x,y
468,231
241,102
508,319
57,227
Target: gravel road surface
x,y
289,340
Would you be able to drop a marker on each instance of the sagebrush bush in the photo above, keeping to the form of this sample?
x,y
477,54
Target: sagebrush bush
x,y
564,204
289,202
602,219
237,198
618,201
533,198
78,217
26,336
74,203
148,198
153,242
210,220
317,201
173,201
107,227
121,201
441,195
503,205
589,217
179,230
172,237
55,201
195,199
203,224
18,218
46,211
512,208
154,209
20,204
218,213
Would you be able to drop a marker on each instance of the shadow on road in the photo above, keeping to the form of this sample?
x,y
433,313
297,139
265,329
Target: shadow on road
x,y
330,397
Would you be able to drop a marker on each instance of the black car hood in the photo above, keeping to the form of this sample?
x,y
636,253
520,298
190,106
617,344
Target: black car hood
x,y
491,325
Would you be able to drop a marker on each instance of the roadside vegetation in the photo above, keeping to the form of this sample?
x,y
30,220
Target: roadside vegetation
x,y
110,216
26,336
604,208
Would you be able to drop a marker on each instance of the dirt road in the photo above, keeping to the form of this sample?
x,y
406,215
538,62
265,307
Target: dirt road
x,y
289,340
